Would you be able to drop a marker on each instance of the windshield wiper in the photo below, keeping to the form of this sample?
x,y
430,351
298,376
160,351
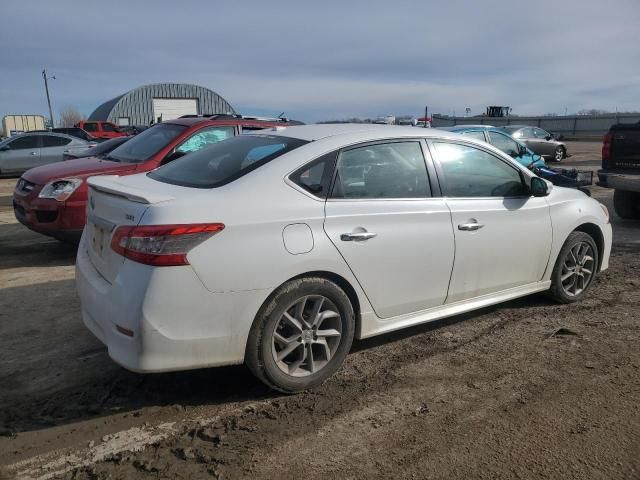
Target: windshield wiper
x,y
110,158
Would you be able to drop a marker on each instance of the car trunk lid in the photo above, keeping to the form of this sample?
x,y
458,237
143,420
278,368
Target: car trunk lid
x,y
113,202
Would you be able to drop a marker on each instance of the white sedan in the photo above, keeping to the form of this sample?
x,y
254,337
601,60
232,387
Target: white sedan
x,y
276,249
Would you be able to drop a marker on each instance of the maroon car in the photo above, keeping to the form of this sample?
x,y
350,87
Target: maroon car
x,y
51,199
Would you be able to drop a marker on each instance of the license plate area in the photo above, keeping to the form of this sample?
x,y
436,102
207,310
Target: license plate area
x,y
99,238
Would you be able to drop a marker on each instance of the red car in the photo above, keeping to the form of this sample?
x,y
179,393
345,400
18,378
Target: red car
x,y
100,129
51,199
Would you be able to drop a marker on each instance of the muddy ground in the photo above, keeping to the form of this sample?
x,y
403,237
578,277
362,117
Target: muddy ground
x,y
527,389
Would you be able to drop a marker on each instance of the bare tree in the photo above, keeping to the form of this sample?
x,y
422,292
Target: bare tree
x,y
70,116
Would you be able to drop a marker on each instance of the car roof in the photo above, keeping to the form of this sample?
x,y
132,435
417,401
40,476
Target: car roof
x,y
46,133
314,132
189,121
460,128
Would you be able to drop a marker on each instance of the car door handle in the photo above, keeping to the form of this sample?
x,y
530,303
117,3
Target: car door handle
x,y
34,153
470,226
357,236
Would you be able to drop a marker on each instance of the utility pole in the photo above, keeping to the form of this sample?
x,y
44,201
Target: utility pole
x,y
46,87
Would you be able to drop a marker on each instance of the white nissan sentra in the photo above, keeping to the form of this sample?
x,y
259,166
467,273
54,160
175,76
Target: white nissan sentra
x,y
278,248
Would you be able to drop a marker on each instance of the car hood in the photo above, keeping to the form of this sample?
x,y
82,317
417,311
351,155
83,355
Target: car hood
x,y
82,168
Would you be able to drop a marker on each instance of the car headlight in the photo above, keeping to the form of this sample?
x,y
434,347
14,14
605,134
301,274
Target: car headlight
x,y
606,211
61,189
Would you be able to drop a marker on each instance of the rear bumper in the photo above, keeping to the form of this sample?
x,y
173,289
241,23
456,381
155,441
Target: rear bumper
x,y
619,181
177,323
62,220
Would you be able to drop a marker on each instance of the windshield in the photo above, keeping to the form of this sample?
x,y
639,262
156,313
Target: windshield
x,y
225,161
108,145
146,144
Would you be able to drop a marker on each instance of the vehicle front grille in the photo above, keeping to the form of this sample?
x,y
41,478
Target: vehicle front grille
x,y
25,185
46,216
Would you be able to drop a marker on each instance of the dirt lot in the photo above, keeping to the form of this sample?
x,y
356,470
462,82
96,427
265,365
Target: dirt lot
x,y
491,394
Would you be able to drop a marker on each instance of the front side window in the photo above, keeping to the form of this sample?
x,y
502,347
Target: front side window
x,y
527,133
90,127
225,161
53,141
22,143
389,170
205,137
470,172
146,144
504,143
538,132
107,127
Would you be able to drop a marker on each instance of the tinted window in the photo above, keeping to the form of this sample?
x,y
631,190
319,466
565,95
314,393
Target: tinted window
x,y
224,161
315,177
476,135
390,170
504,143
53,141
204,138
146,144
21,143
107,127
90,127
471,172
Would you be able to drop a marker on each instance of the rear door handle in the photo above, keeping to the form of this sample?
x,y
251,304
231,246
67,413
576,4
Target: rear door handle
x,y
357,236
470,226
34,153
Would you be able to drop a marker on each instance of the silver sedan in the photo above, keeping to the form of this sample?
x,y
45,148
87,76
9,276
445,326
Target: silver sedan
x,y
28,150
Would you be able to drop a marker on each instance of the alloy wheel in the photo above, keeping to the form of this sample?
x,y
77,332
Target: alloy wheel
x,y
559,154
577,269
307,336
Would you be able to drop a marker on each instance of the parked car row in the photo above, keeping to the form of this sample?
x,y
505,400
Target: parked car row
x,y
52,199
277,244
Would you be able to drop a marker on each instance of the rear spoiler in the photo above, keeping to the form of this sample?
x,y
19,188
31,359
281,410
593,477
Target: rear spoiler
x,y
112,185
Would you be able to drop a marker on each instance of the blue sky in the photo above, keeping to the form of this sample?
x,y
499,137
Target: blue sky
x,y
331,59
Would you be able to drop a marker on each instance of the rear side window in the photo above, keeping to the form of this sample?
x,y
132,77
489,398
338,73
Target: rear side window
x,y
504,143
315,177
90,127
225,161
388,170
21,143
52,141
107,127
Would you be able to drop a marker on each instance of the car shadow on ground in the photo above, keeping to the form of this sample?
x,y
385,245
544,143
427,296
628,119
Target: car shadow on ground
x,y
19,247
54,372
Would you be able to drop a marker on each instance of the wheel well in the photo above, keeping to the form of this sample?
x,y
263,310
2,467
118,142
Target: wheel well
x,y
594,232
344,284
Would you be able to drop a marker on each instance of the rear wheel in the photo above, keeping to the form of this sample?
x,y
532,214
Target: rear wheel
x,y
301,335
626,204
575,268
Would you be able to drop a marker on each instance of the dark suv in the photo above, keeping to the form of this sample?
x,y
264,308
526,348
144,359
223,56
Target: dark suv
x,y
51,199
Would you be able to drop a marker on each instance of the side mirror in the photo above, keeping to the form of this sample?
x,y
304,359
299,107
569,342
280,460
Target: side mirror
x,y
548,137
514,154
173,155
5,148
539,188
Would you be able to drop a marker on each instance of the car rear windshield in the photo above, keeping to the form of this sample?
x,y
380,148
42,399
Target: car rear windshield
x,y
225,161
146,144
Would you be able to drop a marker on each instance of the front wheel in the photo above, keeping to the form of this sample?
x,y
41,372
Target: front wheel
x,y
301,335
575,268
558,155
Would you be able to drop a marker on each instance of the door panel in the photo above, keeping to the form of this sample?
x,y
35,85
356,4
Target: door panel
x,y
406,267
509,249
397,240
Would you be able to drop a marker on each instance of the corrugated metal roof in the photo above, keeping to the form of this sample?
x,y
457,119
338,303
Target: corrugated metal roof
x,y
137,104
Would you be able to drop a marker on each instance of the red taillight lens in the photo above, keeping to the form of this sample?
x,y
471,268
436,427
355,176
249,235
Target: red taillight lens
x,y
606,149
161,245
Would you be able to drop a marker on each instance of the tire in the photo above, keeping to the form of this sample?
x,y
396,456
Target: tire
x,y
558,154
273,334
561,278
626,204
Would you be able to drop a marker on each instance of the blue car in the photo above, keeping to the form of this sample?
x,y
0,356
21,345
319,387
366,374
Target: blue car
x,y
502,141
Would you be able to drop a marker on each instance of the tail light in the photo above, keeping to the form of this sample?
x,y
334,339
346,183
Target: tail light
x,y
606,149
161,245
